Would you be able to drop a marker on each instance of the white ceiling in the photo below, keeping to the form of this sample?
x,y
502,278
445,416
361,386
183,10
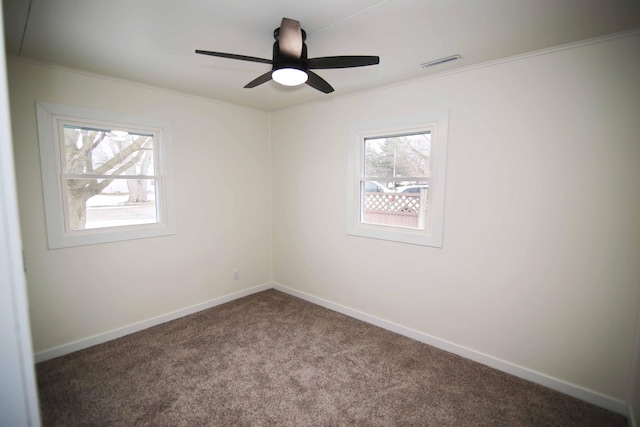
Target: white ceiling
x,y
153,41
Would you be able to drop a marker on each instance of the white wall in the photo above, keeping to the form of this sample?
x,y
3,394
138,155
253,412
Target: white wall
x,y
221,162
539,266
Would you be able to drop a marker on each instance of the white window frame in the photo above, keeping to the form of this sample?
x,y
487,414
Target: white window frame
x,y
59,235
435,122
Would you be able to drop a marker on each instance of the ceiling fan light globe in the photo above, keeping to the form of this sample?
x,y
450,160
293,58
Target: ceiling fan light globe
x,y
289,76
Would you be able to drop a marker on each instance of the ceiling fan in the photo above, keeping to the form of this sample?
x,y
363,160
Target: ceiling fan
x,y
290,65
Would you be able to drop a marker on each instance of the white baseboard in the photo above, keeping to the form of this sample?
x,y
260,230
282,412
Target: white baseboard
x,y
136,327
576,391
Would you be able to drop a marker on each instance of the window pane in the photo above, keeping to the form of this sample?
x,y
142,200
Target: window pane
x,y
107,152
98,203
395,203
398,156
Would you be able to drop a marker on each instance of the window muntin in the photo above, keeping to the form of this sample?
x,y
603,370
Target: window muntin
x,y
106,177
396,179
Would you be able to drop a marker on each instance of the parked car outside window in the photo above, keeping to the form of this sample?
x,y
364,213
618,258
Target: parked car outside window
x,y
374,187
412,188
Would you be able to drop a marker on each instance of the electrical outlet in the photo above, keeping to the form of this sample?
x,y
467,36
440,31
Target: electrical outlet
x,y
236,274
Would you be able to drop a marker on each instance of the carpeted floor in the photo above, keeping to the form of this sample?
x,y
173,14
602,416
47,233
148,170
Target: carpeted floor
x,y
272,359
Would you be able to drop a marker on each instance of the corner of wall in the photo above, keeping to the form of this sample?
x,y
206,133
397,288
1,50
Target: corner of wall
x,y
269,139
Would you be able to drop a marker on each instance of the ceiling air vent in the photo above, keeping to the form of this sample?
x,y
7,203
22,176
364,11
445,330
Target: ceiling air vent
x,y
440,61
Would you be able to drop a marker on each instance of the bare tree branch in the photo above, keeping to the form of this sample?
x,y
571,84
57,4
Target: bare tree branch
x,y
115,160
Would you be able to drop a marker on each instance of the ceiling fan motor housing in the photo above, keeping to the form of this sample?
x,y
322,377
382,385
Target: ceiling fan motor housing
x,y
276,34
281,60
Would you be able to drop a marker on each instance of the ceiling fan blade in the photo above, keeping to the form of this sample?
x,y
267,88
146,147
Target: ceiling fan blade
x,y
342,62
234,56
290,38
317,82
256,82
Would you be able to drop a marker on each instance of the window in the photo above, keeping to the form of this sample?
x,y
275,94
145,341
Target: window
x,y
396,179
106,177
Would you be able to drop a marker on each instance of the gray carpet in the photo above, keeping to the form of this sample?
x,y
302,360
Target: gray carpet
x,y
272,359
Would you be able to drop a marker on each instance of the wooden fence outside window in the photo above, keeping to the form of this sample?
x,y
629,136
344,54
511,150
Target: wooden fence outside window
x,y
395,209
